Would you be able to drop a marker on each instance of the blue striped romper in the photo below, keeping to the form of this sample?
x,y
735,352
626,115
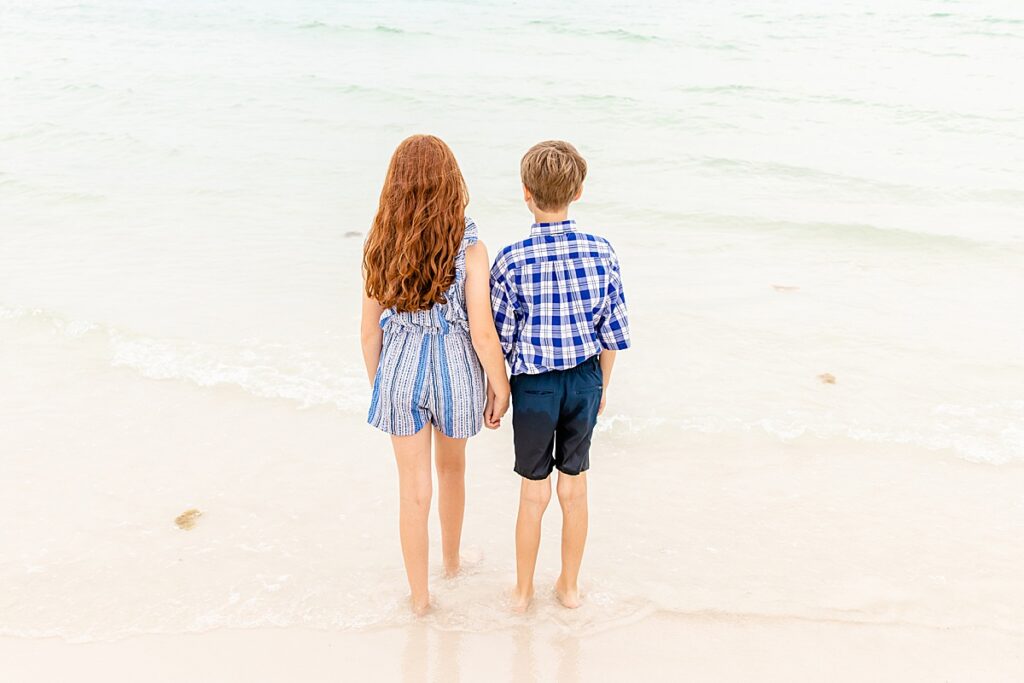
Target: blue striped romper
x,y
428,371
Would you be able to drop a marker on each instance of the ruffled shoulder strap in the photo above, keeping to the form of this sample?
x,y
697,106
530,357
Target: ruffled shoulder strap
x,y
469,238
471,235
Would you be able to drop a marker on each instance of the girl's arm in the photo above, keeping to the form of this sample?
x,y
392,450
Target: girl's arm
x,y
371,334
483,333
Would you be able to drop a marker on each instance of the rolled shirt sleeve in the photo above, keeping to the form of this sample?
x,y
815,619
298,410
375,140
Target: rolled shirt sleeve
x,y
504,308
613,326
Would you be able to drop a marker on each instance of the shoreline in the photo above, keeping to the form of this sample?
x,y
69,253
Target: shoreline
x,y
659,647
298,528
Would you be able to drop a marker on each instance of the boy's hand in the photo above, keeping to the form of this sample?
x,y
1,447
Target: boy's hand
x,y
607,363
496,407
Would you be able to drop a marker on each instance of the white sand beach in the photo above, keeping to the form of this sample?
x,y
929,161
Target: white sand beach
x,y
784,560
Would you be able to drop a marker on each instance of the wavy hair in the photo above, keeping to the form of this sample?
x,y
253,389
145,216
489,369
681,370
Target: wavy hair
x,y
409,255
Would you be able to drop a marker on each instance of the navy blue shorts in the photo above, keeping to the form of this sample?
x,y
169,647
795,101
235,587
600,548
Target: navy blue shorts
x,y
553,418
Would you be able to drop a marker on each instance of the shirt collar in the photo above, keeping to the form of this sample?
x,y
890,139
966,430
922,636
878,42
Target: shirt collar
x,y
553,228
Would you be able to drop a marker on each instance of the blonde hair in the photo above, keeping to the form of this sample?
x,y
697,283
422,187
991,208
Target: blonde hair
x,y
553,171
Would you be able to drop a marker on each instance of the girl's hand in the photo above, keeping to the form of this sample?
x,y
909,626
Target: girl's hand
x,y
496,407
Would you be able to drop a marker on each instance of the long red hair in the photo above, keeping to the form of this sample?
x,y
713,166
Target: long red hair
x,y
409,256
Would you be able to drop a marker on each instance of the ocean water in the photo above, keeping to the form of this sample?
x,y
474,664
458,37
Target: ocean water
x,y
793,190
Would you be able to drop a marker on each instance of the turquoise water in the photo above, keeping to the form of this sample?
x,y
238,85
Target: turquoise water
x,y
194,179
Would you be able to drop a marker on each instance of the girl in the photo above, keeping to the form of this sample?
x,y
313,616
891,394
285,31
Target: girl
x,y
427,328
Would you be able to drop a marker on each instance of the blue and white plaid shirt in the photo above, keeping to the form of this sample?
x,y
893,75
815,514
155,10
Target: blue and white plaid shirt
x,y
557,299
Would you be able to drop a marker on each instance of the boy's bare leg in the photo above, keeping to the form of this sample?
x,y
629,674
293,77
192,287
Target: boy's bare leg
x,y
412,454
450,461
533,500
572,496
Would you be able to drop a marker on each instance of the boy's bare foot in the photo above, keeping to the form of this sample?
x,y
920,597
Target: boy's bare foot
x,y
521,599
420,607
452,569
568,596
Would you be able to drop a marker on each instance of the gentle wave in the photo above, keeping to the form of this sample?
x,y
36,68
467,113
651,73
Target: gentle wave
x,y
472,604
858,233
617,33
1003,20
260,368
919,114
345,28
992,433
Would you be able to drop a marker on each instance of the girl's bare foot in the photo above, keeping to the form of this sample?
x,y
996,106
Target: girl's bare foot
x,y
521,599
420,606
468,559
569,596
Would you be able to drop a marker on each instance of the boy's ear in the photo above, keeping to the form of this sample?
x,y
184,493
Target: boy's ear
x,y
578,194
526,194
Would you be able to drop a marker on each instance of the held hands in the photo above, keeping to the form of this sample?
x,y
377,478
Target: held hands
x,y
496,406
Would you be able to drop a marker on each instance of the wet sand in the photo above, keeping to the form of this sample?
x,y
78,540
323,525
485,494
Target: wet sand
x,y
659,648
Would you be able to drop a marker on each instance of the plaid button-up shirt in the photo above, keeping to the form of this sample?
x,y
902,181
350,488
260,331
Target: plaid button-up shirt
x,y
557,299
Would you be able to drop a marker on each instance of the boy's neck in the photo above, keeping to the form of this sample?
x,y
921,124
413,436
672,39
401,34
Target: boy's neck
x,y
557,216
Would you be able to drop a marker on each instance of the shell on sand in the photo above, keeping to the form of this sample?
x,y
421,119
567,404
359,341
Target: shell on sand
x,y
785,288
827,378
187,519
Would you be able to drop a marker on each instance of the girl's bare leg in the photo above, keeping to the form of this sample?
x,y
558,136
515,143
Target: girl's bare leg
x,y
412,454
450,461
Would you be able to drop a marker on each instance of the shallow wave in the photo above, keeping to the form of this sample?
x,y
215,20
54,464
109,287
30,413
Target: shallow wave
x,y
835,232
466,605
346,28
260,368
617,33
992,433
947,119
475,602
1003,20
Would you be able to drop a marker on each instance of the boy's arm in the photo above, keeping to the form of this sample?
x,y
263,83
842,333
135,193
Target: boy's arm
x,y
607,363
503,308
613,325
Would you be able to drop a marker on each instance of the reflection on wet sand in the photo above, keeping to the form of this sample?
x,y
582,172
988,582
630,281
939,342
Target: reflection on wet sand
x,y
524,665
448,657
534,654
415,659
568,648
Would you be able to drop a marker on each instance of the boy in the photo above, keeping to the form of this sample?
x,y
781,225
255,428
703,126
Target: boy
x,y
561,316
